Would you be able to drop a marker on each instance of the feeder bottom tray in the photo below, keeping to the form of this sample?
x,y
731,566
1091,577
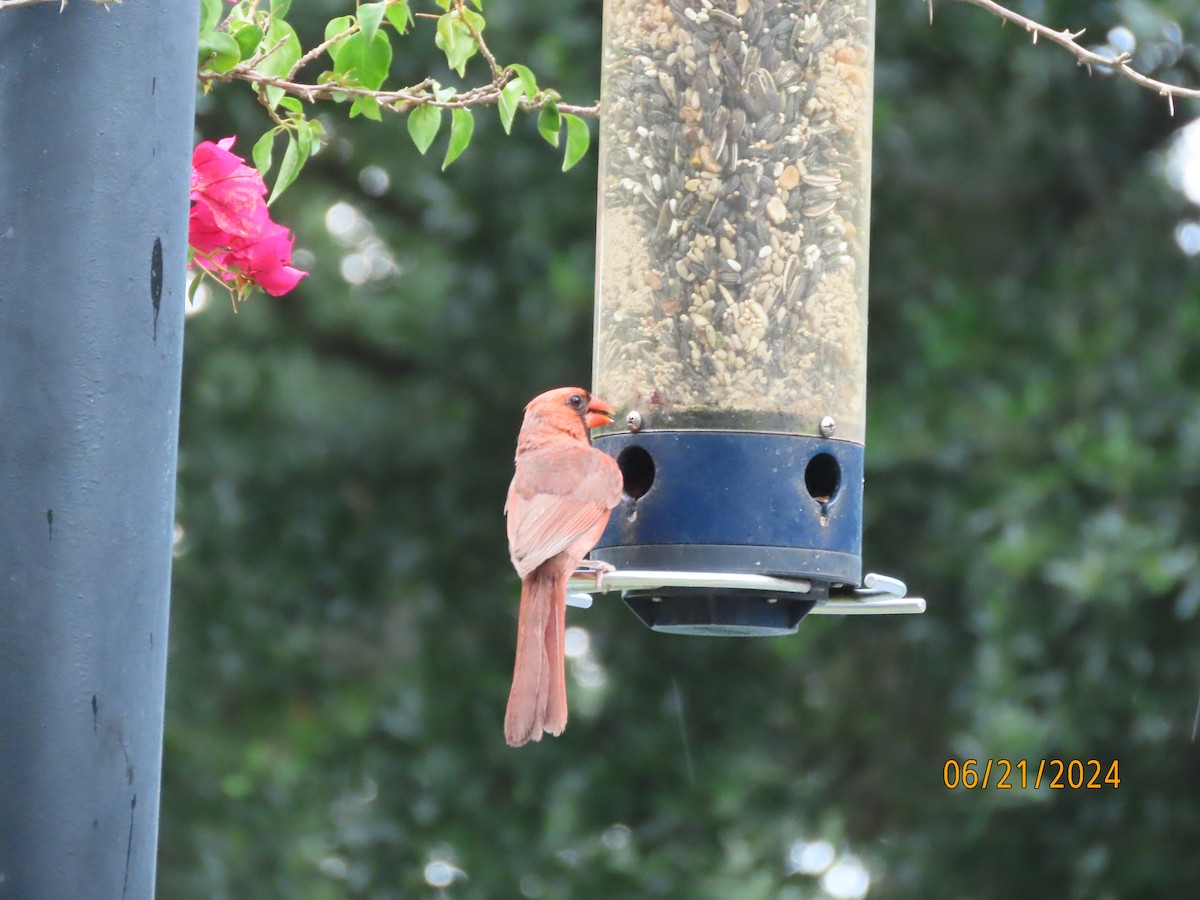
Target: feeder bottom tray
x,y
739,605
703,612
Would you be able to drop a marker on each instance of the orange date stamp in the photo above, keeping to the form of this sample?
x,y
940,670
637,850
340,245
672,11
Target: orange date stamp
x,y
1022,774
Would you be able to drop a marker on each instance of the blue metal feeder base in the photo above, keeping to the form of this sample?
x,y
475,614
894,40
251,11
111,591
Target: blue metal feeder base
x,y
742,502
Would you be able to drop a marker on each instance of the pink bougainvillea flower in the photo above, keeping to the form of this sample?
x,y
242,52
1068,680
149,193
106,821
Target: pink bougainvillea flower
x,y
268,260
230,227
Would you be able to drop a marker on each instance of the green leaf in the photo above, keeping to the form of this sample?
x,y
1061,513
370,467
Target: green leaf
x,y
293,161
305,137
526,77
462,126
446,40
366,106
210,15
456,41
347,55
478,4
338,26
474,19
399,15
281,61
263,148
245,11
423,125
363,63
248,36
549,123
219,52
377,60
578,138
292,105
509,102
369,17
444,4
194,282
279,8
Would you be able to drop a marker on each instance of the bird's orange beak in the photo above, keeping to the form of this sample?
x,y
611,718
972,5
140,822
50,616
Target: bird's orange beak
x,y
599,413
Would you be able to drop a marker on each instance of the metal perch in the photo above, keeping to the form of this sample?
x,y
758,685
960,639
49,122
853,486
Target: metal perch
x,y
879,595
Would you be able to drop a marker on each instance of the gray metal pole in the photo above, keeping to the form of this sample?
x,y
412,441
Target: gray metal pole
x,y
96,110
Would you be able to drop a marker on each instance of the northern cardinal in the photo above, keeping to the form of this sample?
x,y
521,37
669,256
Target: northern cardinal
x,y
558,504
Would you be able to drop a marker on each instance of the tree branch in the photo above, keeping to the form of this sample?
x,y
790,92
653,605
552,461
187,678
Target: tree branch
x,y
1068,40
399,100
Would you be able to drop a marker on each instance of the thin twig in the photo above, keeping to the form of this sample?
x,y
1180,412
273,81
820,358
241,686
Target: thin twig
x,y
593,110
418,95
1068,40
257,59
400,100
319,49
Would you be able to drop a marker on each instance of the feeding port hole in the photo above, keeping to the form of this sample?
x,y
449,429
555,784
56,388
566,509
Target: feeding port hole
x,y
637,468
822,477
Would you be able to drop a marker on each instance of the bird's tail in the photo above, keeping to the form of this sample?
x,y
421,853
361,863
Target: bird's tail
x,y
538,699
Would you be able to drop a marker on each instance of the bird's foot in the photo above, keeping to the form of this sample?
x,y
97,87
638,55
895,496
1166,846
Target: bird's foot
x,y
593,569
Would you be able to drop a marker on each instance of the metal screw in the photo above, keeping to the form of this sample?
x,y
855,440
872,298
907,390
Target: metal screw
x,y
828,426
634,421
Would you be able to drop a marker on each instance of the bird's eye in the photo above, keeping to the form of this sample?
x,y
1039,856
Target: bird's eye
x,y
576,401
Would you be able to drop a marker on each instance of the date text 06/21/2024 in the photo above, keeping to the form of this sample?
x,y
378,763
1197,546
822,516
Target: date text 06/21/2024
x,y
1056,774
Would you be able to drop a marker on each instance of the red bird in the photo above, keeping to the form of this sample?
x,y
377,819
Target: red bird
x,y
558,504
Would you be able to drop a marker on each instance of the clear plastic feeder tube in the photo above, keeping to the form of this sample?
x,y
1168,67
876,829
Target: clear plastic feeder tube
x,y
734,209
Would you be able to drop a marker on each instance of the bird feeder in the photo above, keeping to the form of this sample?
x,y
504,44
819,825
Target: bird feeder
x,y
731,314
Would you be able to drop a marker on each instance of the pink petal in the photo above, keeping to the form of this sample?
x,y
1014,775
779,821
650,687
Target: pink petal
x,y
233,190
211,162
279,281
203,232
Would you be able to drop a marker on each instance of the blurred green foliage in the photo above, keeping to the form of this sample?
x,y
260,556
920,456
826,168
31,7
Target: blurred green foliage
x,y
344,611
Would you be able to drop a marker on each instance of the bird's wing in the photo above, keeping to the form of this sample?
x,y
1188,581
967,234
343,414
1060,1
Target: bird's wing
x,y
557,495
